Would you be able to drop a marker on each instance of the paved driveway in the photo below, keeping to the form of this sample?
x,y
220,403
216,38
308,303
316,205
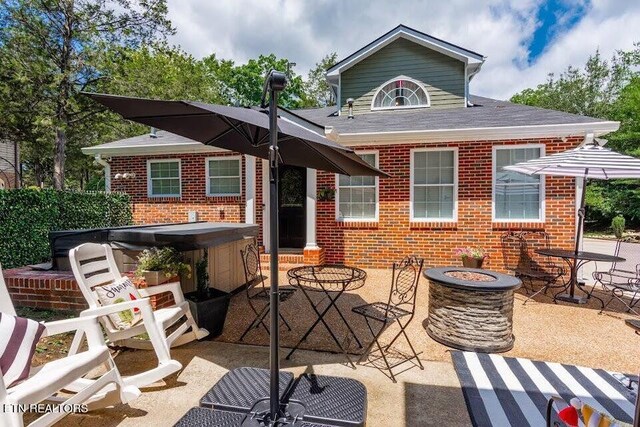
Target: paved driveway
x,y
599,246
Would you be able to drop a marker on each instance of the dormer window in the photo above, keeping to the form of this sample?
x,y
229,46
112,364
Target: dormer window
x,y
401,92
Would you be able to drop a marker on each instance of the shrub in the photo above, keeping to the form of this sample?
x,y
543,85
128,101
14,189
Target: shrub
x,y
617,225
28,214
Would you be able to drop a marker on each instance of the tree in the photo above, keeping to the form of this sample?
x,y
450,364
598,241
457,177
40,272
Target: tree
x,y
53,47
318,92
242,84
608,90
590,91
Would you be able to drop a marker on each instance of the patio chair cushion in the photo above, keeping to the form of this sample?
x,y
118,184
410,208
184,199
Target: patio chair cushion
x,y
18,339
122,290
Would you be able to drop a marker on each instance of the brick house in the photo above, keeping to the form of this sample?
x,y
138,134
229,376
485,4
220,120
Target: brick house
x,y
403,103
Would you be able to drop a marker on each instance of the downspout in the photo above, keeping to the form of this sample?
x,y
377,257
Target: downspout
x,y
107,172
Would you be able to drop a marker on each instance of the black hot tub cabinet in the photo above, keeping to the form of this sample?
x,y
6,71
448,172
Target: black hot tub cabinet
x,y
471,315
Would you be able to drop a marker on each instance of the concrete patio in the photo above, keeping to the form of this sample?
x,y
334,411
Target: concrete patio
x,y
563,333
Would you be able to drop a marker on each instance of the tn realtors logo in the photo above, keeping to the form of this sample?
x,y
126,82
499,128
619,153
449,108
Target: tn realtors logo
x,y
43,408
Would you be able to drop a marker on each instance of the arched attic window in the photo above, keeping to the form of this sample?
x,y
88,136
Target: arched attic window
x,y
401,92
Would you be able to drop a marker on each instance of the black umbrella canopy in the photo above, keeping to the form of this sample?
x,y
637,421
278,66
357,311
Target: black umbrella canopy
x,y
220,126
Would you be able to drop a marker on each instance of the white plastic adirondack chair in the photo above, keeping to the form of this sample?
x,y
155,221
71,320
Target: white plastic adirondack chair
x,y
93,265
47,380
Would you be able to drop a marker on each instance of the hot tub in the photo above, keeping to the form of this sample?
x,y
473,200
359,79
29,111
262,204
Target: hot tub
x,y
471,309
222,240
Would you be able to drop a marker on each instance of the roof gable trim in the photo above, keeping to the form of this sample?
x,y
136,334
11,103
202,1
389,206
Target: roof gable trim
x,y
410,34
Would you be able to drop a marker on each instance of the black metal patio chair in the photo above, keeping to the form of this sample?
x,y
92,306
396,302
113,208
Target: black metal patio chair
x,y
257,291
623,278
519,251
400,309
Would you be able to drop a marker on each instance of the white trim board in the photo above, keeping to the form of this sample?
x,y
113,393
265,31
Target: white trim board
x,y
152,149
473,134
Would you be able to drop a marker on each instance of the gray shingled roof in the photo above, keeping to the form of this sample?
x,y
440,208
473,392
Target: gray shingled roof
x,y
485,112
162,138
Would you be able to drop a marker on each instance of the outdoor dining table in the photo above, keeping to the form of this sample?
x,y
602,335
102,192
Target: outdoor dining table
x,y
332,281
575,260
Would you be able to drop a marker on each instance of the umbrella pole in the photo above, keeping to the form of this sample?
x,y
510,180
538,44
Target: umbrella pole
x,y
274,389
581,212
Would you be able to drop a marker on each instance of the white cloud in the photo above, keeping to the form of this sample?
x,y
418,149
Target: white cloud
x,y
305,30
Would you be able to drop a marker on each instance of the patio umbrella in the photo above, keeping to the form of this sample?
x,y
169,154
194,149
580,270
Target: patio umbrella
x,y
255,132
589,161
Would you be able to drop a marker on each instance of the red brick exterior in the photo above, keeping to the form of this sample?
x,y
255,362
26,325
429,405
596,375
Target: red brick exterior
x,y
377,244
58,290
374,244
175,209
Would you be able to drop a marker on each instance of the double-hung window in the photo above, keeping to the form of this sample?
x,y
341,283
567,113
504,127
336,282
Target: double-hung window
x,y
434,180
163,178
223,176
516,196
357,196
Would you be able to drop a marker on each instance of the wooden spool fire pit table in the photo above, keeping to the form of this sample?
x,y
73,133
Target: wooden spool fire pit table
x,y
471,309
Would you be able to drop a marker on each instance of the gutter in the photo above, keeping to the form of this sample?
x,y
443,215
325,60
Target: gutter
x,y
107,172
473,134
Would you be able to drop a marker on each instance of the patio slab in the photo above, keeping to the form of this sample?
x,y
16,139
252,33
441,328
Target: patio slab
x,y
563,332
431,397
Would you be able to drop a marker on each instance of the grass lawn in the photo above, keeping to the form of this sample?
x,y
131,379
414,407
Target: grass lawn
x,y
48,348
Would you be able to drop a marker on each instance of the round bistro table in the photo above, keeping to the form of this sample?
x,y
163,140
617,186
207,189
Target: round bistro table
x,y
332,281
471,315
575,260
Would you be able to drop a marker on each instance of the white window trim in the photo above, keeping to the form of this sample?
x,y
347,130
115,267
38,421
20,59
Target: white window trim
x,y
337,195
208,183
542,210
412,217
149,186
407,107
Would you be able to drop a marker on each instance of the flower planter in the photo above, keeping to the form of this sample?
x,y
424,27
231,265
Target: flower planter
x,y
470,262
153,278
211,312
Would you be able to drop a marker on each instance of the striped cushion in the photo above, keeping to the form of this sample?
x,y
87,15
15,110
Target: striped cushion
x,y
18,339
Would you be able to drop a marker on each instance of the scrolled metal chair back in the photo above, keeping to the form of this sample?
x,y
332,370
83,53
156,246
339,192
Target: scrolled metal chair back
x,y
514,250
405,276
535,240
251,263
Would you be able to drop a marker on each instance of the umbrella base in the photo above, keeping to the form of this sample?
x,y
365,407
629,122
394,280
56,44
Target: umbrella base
x,y
311,400
573,299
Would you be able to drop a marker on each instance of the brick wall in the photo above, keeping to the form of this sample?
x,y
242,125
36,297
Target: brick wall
x,y
377,244
175,209
58,290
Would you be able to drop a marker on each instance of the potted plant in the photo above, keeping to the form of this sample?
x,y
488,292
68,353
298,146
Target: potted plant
x,y
326,194
159,265
209,306
471,257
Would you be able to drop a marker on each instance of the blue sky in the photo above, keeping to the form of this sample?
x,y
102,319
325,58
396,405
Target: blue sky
x,y
554,18
523,40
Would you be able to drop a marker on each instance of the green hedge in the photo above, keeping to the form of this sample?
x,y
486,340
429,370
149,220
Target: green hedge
x,y
27,215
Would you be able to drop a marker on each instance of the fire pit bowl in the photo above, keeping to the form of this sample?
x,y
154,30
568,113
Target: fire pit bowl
x,y
471,309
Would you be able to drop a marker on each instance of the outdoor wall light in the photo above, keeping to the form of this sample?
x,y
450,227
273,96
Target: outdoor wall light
x,y
126,175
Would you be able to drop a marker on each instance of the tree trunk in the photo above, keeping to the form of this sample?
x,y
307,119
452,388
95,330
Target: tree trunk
x,y
59,159
37,174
